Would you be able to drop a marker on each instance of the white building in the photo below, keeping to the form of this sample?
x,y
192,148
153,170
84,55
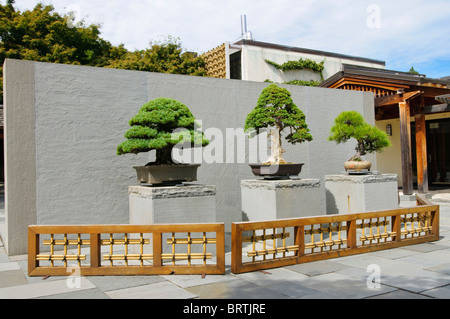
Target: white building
x,y
248,60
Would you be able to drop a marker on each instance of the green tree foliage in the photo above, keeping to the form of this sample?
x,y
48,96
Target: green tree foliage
x,y
165,57
275,107
413,71
44,35
351,124
156,127
299,65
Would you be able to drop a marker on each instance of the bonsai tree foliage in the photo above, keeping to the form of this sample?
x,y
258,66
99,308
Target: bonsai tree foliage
x,y
276,110
156,127
351,124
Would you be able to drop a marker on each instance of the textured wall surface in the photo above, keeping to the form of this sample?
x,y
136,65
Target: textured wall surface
x,y
80,115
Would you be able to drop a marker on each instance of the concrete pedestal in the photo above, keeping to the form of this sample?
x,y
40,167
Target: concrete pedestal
x,y
278,199
172,205
361,193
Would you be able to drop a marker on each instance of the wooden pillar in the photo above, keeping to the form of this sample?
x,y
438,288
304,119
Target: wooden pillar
x,y
405,141
421,152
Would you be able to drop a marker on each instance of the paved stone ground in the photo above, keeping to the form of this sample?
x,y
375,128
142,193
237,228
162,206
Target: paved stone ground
x,y
414,272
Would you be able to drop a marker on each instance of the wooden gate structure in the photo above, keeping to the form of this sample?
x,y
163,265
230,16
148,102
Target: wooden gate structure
x,y
270,244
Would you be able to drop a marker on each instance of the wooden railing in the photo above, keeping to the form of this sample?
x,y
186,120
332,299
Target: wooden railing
x,y
200,248
126,249
270,244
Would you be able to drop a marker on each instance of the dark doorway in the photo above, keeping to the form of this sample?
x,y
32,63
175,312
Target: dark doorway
x,y
438,151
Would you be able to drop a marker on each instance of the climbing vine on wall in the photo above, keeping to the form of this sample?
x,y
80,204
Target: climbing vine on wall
x,y
299,65
298,82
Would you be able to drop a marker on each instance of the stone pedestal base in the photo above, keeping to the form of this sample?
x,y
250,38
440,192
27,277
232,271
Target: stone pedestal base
x,y
361,193
172,205
278,199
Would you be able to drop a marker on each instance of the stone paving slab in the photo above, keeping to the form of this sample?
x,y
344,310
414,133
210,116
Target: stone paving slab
x,y
317,268
160,290
104,283
440,292
344,286
441,268
185,281
43,289
400,294
235,289
11,278
93,293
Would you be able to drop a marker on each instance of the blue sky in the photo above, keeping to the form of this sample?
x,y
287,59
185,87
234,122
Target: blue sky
x,y
401,33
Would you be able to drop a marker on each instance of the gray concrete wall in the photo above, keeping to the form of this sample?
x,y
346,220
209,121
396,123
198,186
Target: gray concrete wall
x,y
63,124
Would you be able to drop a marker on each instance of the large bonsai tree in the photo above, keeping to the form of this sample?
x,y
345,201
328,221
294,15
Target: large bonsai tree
x,y
155,128
351,124
276,110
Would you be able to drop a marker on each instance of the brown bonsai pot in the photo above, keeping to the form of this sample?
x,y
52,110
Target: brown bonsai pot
x,y
166,174
357,166
275,170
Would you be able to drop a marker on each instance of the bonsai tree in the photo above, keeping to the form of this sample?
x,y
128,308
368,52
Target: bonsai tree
x,y
153,128
276,110
351,124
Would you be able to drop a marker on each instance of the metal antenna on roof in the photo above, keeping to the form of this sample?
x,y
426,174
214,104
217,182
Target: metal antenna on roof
x,y
247,35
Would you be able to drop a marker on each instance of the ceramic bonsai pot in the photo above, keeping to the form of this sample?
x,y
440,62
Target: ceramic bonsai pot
x,y
166,174
276,170
357,166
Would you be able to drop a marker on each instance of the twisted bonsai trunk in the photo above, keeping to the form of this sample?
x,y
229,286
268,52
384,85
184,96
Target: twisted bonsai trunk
x,y
359,152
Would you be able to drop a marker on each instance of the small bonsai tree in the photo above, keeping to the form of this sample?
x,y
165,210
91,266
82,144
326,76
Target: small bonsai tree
x,y
155,128
276,110
351,124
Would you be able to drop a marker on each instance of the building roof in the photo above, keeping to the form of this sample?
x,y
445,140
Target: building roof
x,y
388,87
389,76
308,51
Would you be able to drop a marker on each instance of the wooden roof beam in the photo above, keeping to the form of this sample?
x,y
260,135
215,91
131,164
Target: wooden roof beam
x,y
395,99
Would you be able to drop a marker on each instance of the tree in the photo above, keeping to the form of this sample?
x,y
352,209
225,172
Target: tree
x,y
155,128
351,124
43,35
164,57
413,71
275,109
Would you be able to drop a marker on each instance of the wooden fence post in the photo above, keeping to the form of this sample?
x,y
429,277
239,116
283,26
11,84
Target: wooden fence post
x,y
351,234
236,248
